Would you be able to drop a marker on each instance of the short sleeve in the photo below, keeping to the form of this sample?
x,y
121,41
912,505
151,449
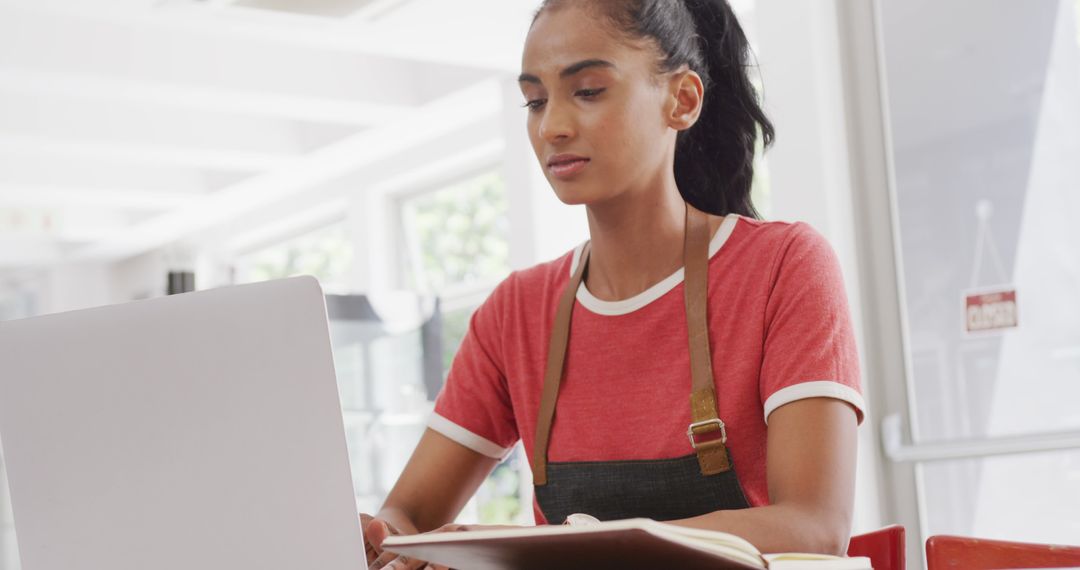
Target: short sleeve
x,y
809,349
474,407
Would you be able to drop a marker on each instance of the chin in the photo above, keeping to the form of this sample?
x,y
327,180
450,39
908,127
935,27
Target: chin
x,y
576,193
574,198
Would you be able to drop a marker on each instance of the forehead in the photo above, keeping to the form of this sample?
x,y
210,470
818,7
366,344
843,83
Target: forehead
x,y
571,33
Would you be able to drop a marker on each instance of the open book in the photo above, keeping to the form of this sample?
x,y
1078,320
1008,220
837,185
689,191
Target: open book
x,y
630,544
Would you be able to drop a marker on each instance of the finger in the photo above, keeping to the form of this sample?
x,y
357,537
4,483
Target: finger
x,y
383,560
377,531
369,549
406,563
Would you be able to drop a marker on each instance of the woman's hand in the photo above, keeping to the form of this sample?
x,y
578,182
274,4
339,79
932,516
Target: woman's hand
x,y
375,532
380,530
439,479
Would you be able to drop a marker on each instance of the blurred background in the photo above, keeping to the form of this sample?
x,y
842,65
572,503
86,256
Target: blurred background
x,y
150,147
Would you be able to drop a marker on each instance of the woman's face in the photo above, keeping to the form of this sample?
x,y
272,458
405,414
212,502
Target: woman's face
x,y
596,107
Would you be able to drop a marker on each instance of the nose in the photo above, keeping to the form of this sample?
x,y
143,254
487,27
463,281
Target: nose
x,y
556,124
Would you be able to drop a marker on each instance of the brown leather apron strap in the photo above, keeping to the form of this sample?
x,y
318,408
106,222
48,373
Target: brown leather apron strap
x,y
707,433
553,373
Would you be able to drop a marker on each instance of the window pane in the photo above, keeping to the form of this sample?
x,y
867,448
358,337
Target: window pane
x,y
982,104
985,147
458,235
761,190
457,241
993,497
380,374
1077,22
455,325
499,500
326,254
17,301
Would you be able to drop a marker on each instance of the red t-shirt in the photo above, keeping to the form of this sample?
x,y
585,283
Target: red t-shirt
x,y
779,330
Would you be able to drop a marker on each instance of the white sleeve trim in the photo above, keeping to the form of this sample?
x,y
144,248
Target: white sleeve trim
x,y
819,389
467,438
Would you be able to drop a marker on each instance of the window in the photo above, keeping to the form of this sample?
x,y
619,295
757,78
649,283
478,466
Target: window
x,y
985,204
760,189
326,253
18,300
457,236
457,246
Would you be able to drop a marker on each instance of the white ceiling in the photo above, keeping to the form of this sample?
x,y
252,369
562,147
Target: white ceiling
x,y
127,124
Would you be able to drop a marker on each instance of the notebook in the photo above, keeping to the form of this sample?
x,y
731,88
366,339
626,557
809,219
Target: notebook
x,y
631,543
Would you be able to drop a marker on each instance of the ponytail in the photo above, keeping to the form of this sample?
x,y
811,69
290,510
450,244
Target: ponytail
x,y
714,159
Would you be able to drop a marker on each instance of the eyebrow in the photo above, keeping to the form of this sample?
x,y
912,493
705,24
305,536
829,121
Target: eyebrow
x,y
570,70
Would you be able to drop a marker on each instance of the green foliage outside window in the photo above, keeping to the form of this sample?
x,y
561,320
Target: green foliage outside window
x,y
326,253
461,234
499,497
458,239
455,324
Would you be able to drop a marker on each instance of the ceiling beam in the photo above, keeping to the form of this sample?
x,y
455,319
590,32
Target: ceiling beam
x,y
443,117
424,32
198,98
201,48
130,153
50,197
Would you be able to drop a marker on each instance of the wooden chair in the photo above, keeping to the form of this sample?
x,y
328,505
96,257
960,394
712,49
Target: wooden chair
x,y
884,547
948,552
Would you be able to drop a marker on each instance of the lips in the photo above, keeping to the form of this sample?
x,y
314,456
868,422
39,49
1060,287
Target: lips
x,y
566,165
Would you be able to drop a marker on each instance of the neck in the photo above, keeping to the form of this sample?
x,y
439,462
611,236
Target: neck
x,y
637,241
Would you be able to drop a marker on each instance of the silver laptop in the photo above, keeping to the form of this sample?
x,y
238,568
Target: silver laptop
x,y
201,431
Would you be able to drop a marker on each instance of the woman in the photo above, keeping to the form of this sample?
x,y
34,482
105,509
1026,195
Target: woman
x,y
642,111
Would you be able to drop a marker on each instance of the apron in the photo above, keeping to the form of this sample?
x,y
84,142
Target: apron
x,y
665,489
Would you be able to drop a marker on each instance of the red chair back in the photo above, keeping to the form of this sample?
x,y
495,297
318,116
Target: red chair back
x,y
947,552
884,547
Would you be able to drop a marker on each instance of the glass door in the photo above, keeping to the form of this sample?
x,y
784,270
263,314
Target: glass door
x,y
983,105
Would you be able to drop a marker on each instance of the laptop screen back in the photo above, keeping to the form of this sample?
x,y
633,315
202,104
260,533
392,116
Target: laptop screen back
x,y
196,431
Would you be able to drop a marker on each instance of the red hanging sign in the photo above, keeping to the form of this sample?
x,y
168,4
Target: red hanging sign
x,y
990,310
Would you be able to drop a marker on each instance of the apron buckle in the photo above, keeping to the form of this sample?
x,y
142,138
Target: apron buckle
x,y
695,430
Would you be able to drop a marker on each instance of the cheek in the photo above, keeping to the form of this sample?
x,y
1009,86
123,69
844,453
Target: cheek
x,y
634,129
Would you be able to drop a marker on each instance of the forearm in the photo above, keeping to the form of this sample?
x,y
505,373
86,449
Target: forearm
x,y
398,519
811,482
781,528
438,480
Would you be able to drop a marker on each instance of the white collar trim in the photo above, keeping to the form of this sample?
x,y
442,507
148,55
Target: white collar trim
x,y
626,306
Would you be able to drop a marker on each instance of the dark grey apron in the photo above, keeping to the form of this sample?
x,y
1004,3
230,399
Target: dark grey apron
x,y
666,489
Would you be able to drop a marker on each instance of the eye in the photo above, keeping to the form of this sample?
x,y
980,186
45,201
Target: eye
x,y
588,93
534,104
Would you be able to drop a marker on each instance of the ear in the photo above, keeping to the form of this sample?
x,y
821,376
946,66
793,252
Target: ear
x,y
686,95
